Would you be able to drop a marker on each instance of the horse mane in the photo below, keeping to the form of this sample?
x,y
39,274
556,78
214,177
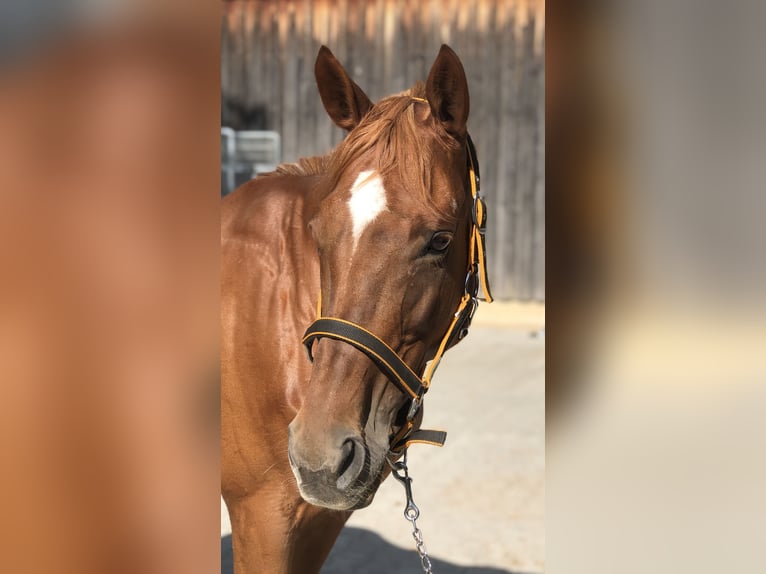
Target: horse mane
x,y
392,129
307,166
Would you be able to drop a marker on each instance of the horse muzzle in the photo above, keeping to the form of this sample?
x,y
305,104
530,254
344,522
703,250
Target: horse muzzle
x,y
331,468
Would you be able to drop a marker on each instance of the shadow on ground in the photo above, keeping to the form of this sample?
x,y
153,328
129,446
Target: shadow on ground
x,y
360,551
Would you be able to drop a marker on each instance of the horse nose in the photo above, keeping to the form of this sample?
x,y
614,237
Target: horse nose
x,y
334,459
350,462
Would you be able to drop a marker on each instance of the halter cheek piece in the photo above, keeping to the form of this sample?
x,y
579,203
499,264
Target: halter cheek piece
x,y
386,359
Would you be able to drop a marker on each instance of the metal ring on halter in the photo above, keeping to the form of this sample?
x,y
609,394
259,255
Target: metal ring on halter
x,y
481,223
472,282
470,310
414,407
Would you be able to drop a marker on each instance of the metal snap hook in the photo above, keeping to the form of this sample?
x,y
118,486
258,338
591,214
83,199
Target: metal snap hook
x,y
411,511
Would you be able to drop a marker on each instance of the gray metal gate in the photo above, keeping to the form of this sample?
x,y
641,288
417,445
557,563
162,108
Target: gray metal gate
x,y
245,154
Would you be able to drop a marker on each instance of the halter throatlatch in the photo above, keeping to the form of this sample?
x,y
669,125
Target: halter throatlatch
x,y
386,359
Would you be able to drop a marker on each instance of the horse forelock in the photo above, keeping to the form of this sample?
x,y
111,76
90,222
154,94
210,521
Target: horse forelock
x,y
391,141
395,142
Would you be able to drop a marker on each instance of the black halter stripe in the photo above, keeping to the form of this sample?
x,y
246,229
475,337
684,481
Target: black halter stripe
x,y
381,354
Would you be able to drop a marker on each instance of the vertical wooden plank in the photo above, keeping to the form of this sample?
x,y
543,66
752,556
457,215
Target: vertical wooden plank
x,y
377,79
302,42
341,15
451,25
388,46
239,75
526,152
500,232
485,129
368,51
258,43
274,61
433,26
513,205
400,44
226,59
234,67
416,43
291,140
539,201
459,31
264,77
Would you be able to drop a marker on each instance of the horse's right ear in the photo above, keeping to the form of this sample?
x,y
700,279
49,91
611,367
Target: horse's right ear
x,y
344,101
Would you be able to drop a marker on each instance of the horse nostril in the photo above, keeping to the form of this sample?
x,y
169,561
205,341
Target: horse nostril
x,y
349,468
346,456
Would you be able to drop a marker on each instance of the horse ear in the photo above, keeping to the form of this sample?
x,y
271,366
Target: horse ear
x,y
345,102
447,92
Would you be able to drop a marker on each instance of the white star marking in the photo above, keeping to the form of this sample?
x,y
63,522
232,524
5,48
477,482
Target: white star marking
x,y
367,201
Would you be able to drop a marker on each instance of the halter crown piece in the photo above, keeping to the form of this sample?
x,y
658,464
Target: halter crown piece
x,y
385,358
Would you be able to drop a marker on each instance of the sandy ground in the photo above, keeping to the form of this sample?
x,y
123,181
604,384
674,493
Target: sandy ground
x,y
481,496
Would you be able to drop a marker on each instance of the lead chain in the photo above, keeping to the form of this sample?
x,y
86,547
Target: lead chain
x,y
411,511
425,561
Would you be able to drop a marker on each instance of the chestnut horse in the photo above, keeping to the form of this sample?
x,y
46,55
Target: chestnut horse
x,y
385,236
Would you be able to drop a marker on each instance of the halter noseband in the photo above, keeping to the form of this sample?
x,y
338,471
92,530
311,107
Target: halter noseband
x,y
385,358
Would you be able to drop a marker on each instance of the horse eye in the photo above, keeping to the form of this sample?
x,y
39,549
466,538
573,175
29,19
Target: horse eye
x,y
440,241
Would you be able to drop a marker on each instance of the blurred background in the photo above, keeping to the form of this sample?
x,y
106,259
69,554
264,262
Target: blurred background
x,y
270,110
109,287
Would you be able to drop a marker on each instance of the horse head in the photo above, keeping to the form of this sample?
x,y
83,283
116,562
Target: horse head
x,y
392,236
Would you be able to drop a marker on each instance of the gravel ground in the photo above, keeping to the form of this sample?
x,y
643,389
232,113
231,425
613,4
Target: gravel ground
x,y
481,496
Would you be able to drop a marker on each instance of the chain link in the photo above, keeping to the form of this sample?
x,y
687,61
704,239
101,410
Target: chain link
x,y
420,546
411,511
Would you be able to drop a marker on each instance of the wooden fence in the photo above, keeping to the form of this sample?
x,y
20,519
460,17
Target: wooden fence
x,y
268,53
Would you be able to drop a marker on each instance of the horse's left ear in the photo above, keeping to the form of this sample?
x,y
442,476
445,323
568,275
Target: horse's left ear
x,y
447,92
345,102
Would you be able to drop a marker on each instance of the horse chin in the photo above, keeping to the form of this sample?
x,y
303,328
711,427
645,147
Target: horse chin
x,y
340,502
364,502
356,498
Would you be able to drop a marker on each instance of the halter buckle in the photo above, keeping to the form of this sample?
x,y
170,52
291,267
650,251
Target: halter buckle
x,y
472,281
414,407
468,314
479,214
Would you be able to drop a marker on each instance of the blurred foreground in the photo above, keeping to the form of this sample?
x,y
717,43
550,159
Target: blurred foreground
x,y
109,289
656,313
